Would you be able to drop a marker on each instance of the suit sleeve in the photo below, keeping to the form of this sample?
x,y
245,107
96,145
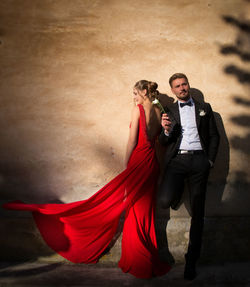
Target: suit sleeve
x,y
214,137
163,139
174,135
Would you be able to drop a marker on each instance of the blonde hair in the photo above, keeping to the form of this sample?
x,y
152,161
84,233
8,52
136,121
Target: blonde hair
x,y
150,87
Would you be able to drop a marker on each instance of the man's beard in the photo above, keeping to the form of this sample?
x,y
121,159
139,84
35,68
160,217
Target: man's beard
x,y
185,98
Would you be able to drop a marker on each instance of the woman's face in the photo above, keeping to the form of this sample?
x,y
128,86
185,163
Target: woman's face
x,y
139,96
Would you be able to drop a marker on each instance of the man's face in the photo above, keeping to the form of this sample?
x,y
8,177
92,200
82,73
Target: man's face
x,y
180,87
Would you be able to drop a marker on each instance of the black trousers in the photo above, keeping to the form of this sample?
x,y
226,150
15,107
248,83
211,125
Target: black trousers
x,y
193,168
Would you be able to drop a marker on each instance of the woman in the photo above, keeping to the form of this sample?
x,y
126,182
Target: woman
x,y
81,231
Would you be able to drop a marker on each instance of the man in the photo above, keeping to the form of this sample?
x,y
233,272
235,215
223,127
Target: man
x,y
192,139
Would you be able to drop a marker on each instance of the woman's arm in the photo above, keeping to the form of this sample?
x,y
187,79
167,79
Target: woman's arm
x,y
133,134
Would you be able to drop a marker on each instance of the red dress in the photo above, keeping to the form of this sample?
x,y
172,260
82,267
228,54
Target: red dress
x,y
81,231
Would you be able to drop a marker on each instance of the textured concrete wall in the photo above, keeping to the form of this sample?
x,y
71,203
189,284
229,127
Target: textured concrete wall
x,y
67,72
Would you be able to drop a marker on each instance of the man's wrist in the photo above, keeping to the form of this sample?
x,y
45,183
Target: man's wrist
x,y
166,133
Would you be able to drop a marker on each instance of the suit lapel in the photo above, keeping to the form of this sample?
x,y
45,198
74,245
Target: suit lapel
x,y
175,112
197,113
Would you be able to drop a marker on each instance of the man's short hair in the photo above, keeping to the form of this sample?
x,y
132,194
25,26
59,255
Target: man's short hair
x,y
177,76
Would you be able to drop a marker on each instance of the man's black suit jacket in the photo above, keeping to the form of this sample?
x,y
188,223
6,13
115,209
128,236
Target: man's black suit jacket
x,y
206,126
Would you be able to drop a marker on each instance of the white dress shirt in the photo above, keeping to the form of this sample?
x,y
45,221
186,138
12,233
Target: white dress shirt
x,y
190,137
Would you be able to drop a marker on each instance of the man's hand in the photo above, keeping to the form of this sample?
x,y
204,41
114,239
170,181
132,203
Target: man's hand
x,y
166,123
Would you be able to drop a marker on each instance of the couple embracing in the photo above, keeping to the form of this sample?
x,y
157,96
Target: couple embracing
x,y
81,231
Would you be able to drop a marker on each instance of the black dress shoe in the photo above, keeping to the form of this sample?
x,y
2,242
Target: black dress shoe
x,y
190,270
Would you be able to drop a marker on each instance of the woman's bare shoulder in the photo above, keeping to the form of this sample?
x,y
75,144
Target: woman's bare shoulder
x,y
135,114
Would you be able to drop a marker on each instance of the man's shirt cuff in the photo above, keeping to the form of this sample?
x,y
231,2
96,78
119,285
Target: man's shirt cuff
x,y
166,133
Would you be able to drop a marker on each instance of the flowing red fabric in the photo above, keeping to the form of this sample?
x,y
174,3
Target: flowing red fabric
x,y
81,231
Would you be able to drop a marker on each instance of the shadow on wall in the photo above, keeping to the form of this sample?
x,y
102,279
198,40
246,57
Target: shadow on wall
x,y
230,235
23,179
240,48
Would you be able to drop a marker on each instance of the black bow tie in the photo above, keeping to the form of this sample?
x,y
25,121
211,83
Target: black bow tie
x,y
189,103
